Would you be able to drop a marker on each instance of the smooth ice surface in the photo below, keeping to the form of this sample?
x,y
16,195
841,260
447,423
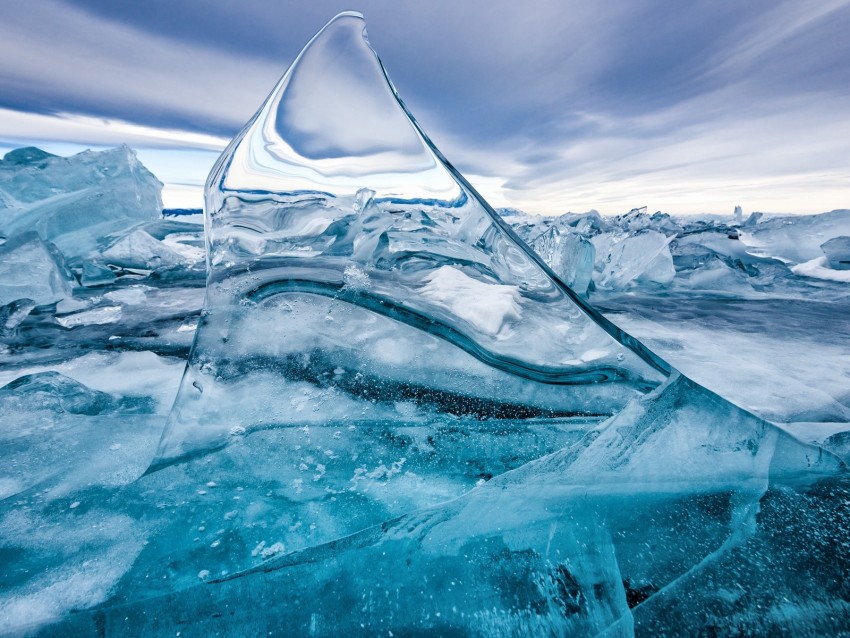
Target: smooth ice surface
x,y
395,419
331,126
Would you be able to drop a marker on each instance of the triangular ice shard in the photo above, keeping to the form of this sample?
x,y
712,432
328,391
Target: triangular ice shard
x,y
332,125
359,286
355,277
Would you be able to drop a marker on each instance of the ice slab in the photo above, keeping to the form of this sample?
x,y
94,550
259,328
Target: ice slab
x,y
124,374
349,312
837,251
702,255
95,316
139,250
54,426
576,542
795,238
13,313
31,268
346,256
73,201
622,259
569,255
95,274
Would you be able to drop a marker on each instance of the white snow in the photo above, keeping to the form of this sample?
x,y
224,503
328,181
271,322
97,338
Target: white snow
x,y
819,269
486,306
777,378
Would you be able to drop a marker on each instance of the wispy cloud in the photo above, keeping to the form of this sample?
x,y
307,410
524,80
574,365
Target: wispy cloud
x,y
85,129
549,106
55,57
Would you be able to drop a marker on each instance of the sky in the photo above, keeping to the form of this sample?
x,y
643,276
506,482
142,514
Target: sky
x,y
547,106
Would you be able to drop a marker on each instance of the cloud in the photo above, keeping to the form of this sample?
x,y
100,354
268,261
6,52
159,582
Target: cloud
x,y
550,105
57,58
84,129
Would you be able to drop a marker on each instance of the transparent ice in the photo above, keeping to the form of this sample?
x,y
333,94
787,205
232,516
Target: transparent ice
x,y
568,254
139,249
73,201
396,418
31,268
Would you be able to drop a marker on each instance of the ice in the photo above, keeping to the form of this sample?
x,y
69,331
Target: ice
x,y
368,254
140,250
821,268
571,543
95,274
12,314
54,392
396,420
81,581
53,422
27,156
125,374
74,201
421,396
644,256
657,253
568,254
33,269
795,239
96,316
837,252
130,296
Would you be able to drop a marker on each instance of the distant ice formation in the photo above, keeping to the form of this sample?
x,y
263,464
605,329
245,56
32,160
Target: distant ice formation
x,y
72,201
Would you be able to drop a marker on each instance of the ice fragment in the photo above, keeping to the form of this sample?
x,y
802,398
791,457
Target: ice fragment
x,y
31,268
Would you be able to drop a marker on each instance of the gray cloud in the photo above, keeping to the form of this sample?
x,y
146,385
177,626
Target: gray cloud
x,y
550,105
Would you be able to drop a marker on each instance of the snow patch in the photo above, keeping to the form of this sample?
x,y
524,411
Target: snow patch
x,y
487,306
